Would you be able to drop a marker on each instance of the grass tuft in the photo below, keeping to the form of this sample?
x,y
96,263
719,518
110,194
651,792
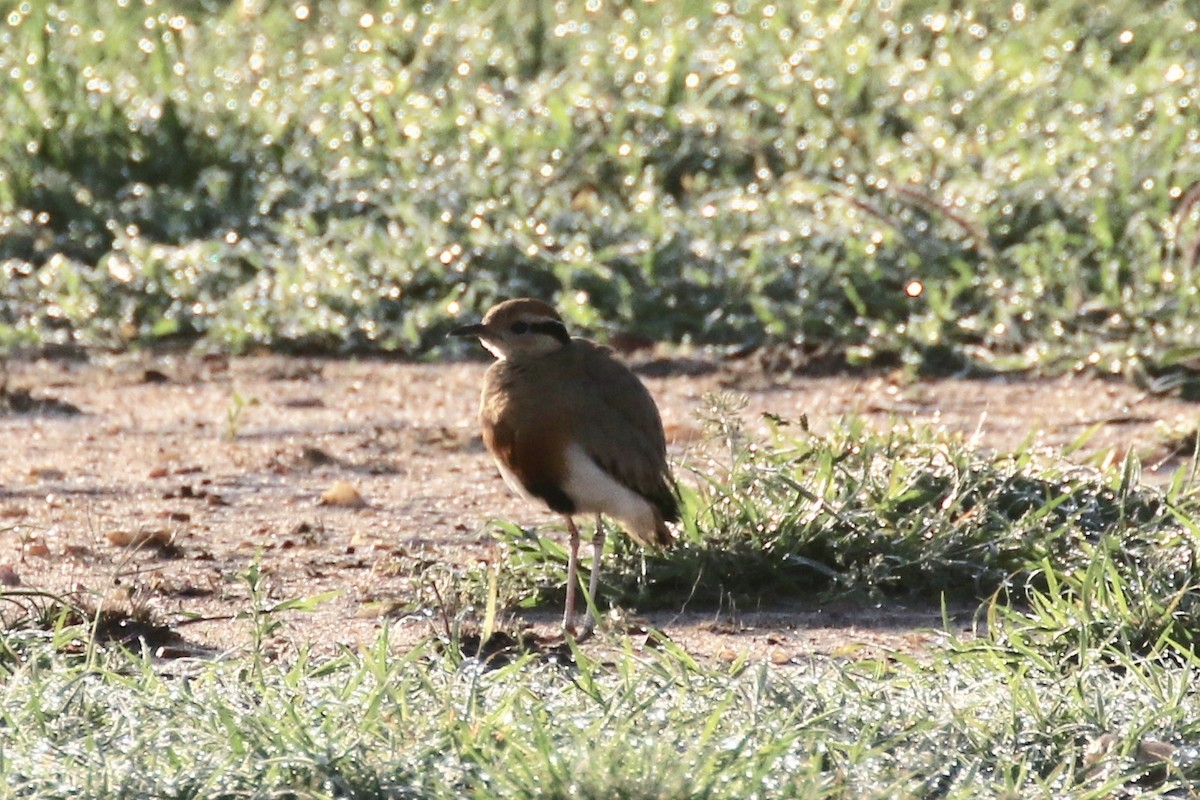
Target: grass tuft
x,y
906,513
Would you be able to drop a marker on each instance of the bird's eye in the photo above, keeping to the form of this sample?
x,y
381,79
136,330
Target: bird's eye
x,y
520,327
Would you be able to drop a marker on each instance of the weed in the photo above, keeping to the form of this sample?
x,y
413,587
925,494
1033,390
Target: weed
x,y
235,412
908,513
264,611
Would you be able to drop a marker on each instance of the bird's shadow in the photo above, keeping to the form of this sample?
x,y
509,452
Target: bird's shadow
x,y
501,648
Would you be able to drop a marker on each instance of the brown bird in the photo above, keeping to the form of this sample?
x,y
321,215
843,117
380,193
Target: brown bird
x,y
570,425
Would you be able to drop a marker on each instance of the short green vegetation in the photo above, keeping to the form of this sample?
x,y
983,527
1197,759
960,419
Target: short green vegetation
x,y
911,515
997,718
347,176
1080,682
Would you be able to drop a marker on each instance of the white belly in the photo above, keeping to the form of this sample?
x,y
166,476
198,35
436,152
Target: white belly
x,y
594,491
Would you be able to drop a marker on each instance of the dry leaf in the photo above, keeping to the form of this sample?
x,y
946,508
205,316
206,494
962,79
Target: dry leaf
x,y
37,548
377,608
47,474
9,576
342,493
365,540
849,650
13,511
154,537
1098,755
316,457
1152,751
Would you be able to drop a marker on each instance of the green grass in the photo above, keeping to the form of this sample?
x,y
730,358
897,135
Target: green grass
x,y
907,514
982,720
718,173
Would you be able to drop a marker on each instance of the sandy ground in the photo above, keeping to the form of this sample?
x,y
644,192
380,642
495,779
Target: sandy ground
x,y
225,459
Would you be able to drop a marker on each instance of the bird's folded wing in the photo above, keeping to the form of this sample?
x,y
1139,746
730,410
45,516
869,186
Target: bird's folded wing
x,y
624,435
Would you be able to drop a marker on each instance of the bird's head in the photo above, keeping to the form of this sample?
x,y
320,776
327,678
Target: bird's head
x,y
519,329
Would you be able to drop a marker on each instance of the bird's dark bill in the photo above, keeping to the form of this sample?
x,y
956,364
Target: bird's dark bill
x,y
469,330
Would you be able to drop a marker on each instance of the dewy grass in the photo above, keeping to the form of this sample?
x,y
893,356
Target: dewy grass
x,y
984,720
908,513
1004,187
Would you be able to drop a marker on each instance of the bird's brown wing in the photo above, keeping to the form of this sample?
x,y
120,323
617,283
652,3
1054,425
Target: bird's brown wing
x,y
624,432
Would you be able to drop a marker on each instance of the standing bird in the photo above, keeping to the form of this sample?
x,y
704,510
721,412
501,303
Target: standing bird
x,y
570,425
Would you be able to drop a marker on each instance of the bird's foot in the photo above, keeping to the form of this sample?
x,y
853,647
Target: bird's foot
x,y
579,633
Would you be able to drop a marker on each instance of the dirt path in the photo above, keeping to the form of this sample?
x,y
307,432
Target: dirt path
x,y
224,459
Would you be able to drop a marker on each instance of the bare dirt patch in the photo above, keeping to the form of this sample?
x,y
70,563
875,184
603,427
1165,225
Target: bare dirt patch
x,y
181,470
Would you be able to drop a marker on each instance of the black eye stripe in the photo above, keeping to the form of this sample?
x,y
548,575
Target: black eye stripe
x,y
552,328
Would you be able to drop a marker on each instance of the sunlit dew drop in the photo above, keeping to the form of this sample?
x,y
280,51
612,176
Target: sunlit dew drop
x,y
453,307
581,298
301,12
914,288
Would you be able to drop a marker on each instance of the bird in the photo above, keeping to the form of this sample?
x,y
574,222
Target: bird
x,y
570,426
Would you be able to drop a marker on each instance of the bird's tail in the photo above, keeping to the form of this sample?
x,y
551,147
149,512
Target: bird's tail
x,y
663,536
650,534
659,537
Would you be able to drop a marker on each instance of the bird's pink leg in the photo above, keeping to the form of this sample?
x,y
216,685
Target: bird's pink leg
x,y
572,575
589,621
